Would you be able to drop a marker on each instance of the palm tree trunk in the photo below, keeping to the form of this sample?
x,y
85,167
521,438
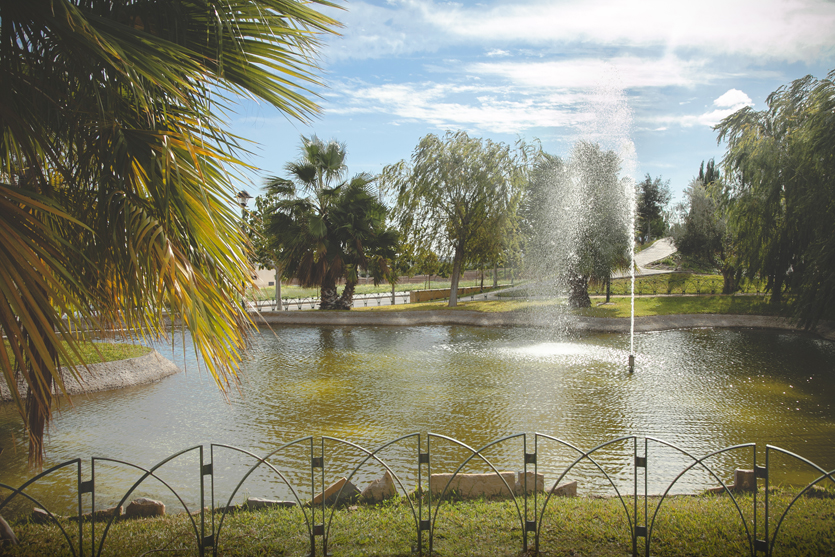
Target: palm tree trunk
x,y
328,297
346,301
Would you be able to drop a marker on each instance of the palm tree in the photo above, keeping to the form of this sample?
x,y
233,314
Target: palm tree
x,y
333,232
117,207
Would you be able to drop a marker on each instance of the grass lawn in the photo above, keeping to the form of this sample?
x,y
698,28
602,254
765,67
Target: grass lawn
x,y
618,307
93,353
705,525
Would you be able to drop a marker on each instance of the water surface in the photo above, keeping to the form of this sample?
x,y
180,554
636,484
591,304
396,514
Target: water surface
x,y
700,389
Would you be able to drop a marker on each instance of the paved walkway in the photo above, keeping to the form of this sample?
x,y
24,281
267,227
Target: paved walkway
x,y
656,252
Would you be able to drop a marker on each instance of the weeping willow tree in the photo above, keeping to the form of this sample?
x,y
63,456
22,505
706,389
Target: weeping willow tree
x,y
115,164
780,195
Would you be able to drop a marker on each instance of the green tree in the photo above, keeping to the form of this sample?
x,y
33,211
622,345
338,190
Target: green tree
x,y
264,251
653,197
456,187
335,231
702,225
779,166
709,175
114,164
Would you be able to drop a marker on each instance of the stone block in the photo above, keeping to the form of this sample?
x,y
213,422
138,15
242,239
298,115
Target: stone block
x,y
7,536
819,492
380,489
718,490
350,493
257,503
142,508
534,483
472,486
40,516
568,489
745,480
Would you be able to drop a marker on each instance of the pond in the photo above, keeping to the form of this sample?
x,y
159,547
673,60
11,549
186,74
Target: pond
x,y
700,389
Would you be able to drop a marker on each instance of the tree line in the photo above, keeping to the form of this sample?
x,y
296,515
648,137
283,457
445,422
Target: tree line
x,y
771,214
765,212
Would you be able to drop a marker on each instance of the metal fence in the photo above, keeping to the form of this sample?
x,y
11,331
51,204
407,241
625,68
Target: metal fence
x,y
362,300
423,453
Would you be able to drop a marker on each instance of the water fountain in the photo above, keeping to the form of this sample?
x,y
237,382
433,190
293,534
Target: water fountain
x,y
586,207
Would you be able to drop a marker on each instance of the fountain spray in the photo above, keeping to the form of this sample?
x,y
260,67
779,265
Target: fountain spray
x,y
632,275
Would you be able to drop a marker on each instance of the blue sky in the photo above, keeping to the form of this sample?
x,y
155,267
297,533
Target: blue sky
x,y
528,69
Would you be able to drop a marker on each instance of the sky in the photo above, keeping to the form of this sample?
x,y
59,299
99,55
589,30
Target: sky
x,y
536,70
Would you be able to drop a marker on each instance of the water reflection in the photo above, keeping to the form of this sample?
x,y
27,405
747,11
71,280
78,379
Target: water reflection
x,y
700,389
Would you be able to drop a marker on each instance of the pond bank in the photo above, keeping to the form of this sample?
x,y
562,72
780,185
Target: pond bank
x,y
532,319
114,375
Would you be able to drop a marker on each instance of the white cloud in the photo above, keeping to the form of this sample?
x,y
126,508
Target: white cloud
x,y
444,106
727,103
624,71
785,30
497,52
733,97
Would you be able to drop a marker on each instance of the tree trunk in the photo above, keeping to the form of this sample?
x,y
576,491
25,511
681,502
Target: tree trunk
x,y
346,301
278,288
456,271
495,276
482,279
777,289
329,299
608,289
392,293
728,279
578,296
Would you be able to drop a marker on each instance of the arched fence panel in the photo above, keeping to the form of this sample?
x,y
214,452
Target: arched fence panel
x,y
240,480
386,473
781,505
185,477
328,493
24,495
611,468
671,466
462,472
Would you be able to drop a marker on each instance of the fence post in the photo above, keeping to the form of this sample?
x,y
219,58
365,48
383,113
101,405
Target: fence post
x,y
424,525
530,525
640,531
207,470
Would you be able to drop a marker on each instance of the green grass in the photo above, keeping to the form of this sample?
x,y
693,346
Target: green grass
x,y
675,305
705,525
667,283
617,307
99,352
